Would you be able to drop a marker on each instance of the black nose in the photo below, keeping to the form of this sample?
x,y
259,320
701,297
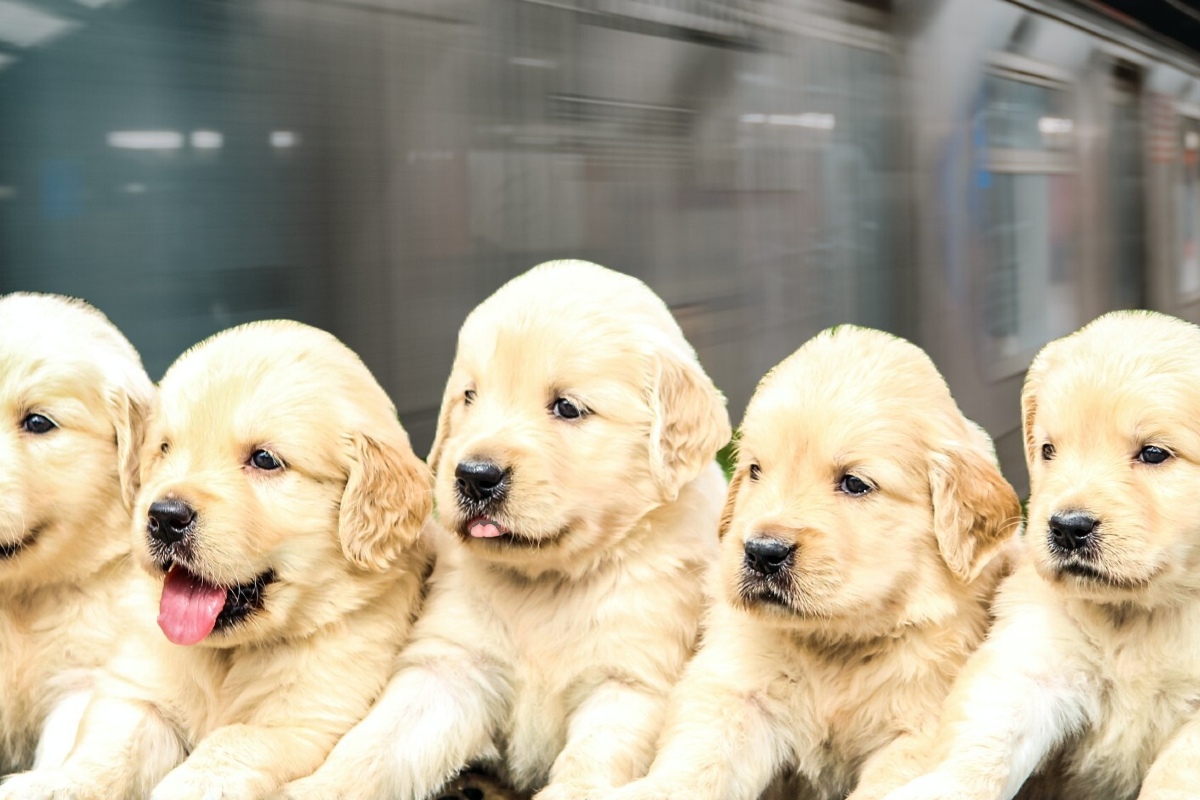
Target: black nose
x,y
767,556
481,481
1071,530
170,520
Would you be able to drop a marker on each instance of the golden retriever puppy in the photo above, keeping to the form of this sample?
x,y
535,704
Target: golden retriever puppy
x,y
574,469
74,395
1091,674
279,523
866,528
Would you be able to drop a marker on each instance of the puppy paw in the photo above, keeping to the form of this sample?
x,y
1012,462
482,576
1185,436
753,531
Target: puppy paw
x,y
572,791
42,785
934,786
647,789
315,788
183,784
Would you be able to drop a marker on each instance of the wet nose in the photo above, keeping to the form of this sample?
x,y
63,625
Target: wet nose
x,y
170,520
481,481
767,556
1071,530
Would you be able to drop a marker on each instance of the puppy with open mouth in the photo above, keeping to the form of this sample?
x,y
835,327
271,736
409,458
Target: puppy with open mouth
x,y
575,473
1090,680
866,528
281,523
73,397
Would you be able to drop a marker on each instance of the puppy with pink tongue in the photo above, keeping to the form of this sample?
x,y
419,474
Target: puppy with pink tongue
x,y
282,525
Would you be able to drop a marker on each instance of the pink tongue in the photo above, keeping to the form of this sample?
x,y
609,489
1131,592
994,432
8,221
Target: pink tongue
x,y
484,530
189,607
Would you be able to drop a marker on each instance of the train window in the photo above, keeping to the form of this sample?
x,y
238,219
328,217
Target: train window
x,y
1189,209
1126,199
1029,192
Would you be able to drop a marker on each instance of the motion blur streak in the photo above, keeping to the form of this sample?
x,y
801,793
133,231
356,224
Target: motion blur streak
x,y
976,175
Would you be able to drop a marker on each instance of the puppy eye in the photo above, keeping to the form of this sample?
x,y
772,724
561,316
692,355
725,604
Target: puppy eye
x,y
164,447
1151,454
469,396
565,409
263,460
854,485
37,423
755,472
1047,452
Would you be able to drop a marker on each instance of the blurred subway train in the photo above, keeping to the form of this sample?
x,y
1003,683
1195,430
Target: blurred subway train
x,y
979,176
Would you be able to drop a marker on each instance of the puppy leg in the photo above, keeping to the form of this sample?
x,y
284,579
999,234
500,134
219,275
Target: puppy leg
x,y
430,722
124,747
239,761
1175,773
1006,714
610,741
60,730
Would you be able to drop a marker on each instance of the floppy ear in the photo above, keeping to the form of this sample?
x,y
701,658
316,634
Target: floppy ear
x,y
130,412
1029,408
443,430
974,508
386,501
689,422
731,493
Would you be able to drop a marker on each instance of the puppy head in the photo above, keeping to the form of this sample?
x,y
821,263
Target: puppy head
x,y
277,484
1112,436
73,395
574,407
861,496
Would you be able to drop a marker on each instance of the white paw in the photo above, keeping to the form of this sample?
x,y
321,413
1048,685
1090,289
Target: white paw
x,y
183,784
571,791
647,789
45,784
935,786
311,788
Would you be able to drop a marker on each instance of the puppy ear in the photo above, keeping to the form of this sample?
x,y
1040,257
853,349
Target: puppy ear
x,y
735,485
974,508
130,412
689,422
1029,408
443,430
386,501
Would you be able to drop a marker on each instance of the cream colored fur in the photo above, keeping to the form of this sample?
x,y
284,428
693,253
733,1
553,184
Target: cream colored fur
x,y
65,494
830,674
262,702
1095,681
548,656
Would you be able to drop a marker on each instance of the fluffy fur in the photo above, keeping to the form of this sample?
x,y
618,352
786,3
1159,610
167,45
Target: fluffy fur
x,y
547,653
893,527
64,512
338,530
1092,674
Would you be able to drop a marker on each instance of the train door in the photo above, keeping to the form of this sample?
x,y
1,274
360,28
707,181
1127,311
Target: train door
x,y
1173,161
1002,174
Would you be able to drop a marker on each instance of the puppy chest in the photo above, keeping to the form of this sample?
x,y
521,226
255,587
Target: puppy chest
x,y
835,731
1138,715
536,731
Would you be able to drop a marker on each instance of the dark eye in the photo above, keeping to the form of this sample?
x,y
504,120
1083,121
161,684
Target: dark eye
x,y
854,485
1047,452
263,460
469,396
565,409
164,447
37,423
755,472
1153,455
